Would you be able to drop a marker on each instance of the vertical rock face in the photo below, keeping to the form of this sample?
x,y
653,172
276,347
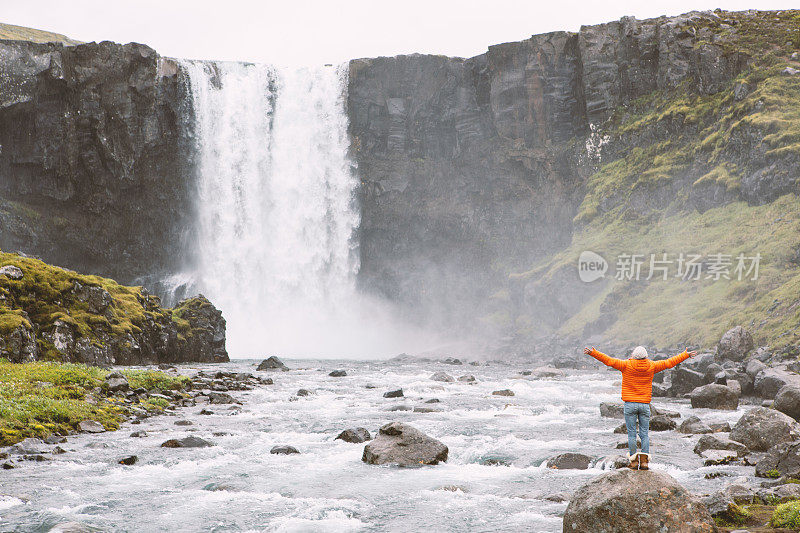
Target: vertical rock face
x,y
94,174
474,168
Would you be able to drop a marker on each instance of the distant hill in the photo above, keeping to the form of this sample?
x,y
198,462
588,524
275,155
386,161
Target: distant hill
x,y
21,33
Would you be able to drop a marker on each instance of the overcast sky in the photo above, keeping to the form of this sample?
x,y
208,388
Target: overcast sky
x,y
297,32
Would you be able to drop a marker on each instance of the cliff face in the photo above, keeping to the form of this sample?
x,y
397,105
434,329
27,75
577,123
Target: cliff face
x,y
93,163
537,150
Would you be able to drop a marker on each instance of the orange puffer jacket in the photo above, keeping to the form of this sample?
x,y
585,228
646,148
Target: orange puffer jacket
x,y
637,374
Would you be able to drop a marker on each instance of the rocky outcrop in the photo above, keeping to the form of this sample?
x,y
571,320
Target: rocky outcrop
x,y
53,314
714,396
95,169
630,500
782,458
402,445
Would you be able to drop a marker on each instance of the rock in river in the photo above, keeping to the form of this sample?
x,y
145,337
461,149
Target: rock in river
x,y
443,376
393,394
354,435
787,401
272,363
187,442
714,396
504,392
283,450
760,428
403,445
626,500
783,458
338,374
90,426
569,461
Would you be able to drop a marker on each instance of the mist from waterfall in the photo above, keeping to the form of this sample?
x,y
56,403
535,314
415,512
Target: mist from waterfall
x,y
276,213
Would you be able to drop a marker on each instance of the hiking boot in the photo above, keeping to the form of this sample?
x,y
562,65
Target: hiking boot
x,y
643,460
634,462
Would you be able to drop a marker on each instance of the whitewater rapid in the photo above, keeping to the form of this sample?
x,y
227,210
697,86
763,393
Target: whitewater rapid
x,y
237,485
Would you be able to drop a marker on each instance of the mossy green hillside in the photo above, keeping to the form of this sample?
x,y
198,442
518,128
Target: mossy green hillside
x,y
665,312
43,398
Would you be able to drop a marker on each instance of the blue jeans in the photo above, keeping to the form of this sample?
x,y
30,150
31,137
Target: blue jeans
x,y
638,412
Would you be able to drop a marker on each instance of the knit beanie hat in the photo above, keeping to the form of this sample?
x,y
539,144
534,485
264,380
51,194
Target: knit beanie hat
x,y
639,353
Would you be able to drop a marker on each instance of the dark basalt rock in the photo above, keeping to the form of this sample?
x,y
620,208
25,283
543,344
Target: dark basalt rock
x,y
338,374
393,394
569,461
272,363
284,450
355,435
129,461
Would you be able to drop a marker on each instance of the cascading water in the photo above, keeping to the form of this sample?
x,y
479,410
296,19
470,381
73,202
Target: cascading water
x,y
275,206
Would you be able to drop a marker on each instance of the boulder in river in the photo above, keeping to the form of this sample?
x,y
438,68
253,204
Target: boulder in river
x,y
782,458
693,426
187,442
221,398
393,394
355,435
761,428
304,392
769,381
661,423
31,445
685,380
272,363
284,450
635,500
569,461
403,445
718,441
735,344
129,460
611,410
714,396
504,392
787,401
443,376
338,374
468,378
139,434
90,426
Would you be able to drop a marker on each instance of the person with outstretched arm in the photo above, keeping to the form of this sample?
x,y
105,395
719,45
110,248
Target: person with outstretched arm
x,y
637,390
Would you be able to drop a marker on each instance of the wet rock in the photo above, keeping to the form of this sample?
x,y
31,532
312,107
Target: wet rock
x,y
717,427
98,445
495,461
718,457
221,398
783,458
644,501
717,441
187,442
184,423
781,493
117,382
569,461
613,461
400,444
393,394
452,361
284,450
621,429
129,460
715,396
735,344
272,363
31,445
468,378
303,392
206,412
760,428
685,380
139,434
754,366
442,376
426,410
8,465
558,497
11,271
611,410
693,425
769,381
433,400
54,439
661,423
91,426
58,450
787,401
504,392
338,374
355,435
395,408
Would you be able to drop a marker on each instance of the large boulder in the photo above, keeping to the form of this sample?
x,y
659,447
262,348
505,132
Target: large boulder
x,y
693,425
782,458
569,461
685,380
662,423
760,428
355,435
443,376
735,344
403,445
117,382
715,396
787,401
769,381
634,500
272,363
754,366
611,410
719,441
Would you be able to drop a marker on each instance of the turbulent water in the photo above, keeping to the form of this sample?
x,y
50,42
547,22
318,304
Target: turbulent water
x,y
238,486
275,206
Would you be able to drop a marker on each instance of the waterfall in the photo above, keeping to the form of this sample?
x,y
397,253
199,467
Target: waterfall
x,y
276,209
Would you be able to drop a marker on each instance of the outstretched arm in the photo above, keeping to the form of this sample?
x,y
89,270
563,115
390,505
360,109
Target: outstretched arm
x,y
673,361
619,364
